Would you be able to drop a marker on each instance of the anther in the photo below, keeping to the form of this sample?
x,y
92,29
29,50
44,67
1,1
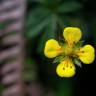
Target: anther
x,y
82,51
63,68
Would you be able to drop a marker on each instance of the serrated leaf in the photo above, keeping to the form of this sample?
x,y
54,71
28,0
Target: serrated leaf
x,y
37,20
77,62
69,7
33,32
36,15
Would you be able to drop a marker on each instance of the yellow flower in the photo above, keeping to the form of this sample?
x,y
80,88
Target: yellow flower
x,y
69,51
86,54
52,48
72,35
66,69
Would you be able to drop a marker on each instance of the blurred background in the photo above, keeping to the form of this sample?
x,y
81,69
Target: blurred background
x,y
45,19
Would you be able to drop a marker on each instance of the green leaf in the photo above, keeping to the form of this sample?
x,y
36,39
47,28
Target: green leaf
x,y
58,59
69,7
49,33
37,29
37,20
36,15
77,62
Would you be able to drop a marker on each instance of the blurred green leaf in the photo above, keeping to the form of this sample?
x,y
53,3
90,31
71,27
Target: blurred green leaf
x,y
33,32
69,7
37,20
35,16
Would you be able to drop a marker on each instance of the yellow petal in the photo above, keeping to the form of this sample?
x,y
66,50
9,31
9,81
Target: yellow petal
x,y
72,35
66,69
52,48
86,54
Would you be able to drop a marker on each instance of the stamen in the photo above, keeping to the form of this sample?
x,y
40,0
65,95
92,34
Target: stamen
x,y
67,63
70,43
82,51
63,68
79,53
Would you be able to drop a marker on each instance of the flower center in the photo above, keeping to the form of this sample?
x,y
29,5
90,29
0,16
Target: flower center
x,y
68,51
